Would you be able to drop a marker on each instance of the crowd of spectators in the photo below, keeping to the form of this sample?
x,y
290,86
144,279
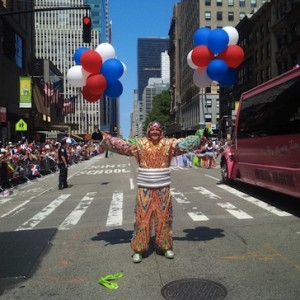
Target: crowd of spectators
x,y
204,156
23,161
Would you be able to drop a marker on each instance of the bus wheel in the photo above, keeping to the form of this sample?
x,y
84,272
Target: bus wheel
x,y
224,173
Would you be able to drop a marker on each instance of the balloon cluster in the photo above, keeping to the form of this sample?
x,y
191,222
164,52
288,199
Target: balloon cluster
x,y
215,56
97,72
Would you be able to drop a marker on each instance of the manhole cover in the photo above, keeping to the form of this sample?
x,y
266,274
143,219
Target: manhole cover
x,y
194,289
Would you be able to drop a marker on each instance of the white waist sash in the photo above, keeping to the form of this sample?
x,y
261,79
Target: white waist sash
x,y
153,178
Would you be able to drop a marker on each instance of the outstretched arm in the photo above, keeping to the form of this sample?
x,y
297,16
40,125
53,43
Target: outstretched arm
x,y
116,145
188,144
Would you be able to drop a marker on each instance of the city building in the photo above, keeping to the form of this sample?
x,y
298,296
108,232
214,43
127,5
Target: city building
x,y
58,34
187,99
110,107
16,61
270,37
154,87
149,60
153,78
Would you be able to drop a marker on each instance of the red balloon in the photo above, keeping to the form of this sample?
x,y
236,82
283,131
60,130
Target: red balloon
x,y
233,55
88,96
96,83
91,61
201,56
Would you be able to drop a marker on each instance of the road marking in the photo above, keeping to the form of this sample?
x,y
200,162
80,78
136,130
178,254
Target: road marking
x,y
16,208
35,220
115,214
74,217
179,197
131,184
198,216
255,201
206,192
239,214
2,201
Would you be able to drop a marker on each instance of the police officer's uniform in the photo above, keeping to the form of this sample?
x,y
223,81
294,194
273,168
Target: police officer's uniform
x,y
63,166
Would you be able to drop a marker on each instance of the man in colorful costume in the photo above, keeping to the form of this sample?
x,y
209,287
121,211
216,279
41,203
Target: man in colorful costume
x,y
153,204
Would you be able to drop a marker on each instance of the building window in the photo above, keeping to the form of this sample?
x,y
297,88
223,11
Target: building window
x,y
242,3
253,3
219,16
207,2
268,73
219,2
208,118
208,103
262,53
230,2
262,76
242,15
268,49
19,51
207,15
230,16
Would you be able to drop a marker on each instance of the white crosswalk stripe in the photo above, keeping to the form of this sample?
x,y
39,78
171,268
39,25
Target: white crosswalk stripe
x,y
34,221
230,208
189,205
255,201
239,214
74,217
115,214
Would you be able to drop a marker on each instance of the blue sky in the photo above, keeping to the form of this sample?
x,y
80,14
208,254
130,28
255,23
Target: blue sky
x,y
133,19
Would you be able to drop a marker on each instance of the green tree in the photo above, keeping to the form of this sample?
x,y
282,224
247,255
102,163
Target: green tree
x,y
160,110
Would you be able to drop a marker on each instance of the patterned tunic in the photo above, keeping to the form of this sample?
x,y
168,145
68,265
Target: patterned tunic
x,y
153,205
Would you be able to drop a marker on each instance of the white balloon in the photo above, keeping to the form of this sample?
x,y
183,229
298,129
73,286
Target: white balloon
x,y
106,51
201,79
233,35
124,72
190,62
77,76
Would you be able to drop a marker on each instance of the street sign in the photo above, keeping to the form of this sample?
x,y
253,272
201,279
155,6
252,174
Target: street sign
x,y
21,125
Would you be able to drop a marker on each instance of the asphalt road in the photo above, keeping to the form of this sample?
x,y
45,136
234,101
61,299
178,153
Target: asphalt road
x,y
236,242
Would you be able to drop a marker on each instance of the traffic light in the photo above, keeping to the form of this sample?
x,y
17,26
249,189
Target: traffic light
x,y
86,29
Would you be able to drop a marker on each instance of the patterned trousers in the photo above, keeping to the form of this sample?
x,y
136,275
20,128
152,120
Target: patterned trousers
x,y
153,211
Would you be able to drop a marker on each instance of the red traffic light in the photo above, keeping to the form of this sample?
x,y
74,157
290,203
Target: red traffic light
x,y
86,20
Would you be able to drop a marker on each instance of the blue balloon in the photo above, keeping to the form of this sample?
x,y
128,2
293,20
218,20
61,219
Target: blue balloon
x,y
114,89
217,69
217,40
112,69
201,35
230,78
78,54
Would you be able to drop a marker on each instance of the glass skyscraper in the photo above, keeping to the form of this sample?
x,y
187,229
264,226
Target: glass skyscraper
x,y
149,60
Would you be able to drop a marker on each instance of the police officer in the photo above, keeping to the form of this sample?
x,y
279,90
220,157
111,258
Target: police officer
x,y
63,165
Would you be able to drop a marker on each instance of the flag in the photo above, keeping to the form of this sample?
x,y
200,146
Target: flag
x,y
56,91
69,105
48,93
52,92
72,104
66,106
34,169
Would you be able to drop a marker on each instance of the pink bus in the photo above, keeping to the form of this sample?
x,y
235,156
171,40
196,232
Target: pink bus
x,y
265,149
